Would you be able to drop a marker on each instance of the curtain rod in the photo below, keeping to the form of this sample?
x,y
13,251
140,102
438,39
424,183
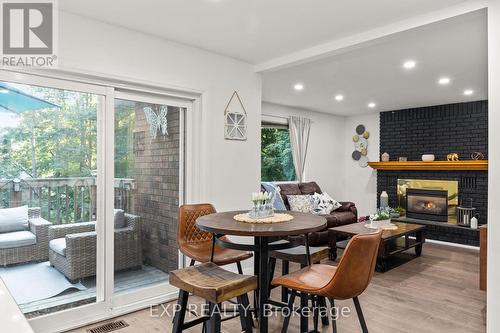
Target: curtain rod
x,y
270,115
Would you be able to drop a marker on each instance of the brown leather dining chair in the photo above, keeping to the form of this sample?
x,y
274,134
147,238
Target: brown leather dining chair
x,y
197,244
347,280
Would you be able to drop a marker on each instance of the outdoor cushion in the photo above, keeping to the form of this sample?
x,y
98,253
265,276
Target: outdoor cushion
x,y
58,245
119,219
10,240
13,219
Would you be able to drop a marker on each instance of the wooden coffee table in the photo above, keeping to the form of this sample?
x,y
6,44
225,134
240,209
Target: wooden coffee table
x,y
392,242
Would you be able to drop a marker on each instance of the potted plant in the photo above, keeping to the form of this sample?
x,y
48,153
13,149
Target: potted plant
x,y
380,219
396,212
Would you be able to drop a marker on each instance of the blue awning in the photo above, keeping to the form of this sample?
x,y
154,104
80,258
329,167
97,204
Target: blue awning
x,y
16,101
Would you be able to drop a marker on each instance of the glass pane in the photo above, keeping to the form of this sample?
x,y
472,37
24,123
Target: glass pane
x,y
147,139
276,155
48,169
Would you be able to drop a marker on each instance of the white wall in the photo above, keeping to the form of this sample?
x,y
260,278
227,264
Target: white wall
x,y
360,184
230,169
324,155
493,296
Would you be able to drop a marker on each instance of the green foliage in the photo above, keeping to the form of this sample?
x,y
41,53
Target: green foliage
x,y
276,155
54,142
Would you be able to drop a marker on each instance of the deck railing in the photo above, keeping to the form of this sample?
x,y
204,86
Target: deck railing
x,y
63,200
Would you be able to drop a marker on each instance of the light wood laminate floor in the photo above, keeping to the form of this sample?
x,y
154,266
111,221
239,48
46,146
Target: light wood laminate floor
x,y
438,292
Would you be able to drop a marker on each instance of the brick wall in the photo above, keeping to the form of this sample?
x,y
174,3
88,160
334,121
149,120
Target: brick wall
x,y
157,189
459,128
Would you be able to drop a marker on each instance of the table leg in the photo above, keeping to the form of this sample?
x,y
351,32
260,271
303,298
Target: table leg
x,y
332,239
420,239
256,263
263,282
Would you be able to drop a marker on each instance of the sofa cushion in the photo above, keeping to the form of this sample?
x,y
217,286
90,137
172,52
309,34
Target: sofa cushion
x,y
288,189
10,240
58,245
301,203
120,219
14,219
309,188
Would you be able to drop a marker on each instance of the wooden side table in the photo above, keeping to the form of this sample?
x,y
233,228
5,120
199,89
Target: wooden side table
x,y
483,255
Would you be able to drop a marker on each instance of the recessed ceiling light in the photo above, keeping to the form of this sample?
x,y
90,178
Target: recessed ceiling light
x,y
468,92
409,64
339,97
444,80
372,105
298,86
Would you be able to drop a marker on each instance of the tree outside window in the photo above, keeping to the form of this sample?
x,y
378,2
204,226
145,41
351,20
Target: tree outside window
x,y
276,155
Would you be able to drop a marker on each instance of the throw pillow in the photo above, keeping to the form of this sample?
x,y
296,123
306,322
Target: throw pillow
x,y
324,204
119,219
13,219
301,203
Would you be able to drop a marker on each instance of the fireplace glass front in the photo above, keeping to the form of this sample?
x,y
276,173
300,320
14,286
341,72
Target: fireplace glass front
x,y
427,204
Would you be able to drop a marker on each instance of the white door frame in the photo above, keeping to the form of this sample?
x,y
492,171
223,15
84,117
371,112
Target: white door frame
x,y
107,304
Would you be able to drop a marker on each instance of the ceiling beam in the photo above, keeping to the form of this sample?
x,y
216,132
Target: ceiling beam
x,y
367,38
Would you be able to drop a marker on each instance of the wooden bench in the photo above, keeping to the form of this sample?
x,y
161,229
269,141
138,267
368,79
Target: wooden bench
x,y
215,285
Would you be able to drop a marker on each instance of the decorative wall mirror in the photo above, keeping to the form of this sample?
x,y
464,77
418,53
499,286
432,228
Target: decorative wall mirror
x,y
235,117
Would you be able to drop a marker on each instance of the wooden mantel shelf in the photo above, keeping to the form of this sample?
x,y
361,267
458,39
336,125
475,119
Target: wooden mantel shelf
x,y
435,165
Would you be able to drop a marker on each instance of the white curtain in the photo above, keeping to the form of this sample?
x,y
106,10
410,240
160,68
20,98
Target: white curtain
x,y
299,139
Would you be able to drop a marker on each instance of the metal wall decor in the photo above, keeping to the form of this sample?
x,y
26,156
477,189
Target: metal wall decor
x,y
477,155
360,140
235,117
156,120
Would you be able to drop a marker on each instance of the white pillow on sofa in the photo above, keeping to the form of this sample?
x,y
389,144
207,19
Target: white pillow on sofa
x,y
13,219
324,204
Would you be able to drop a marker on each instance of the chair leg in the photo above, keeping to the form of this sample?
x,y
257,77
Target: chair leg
x,y
181,313
324,313
285,268
284,329
213,325
272,266
334,313
245,314
315,305
360,315
240,270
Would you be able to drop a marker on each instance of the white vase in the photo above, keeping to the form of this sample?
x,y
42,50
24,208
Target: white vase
x,y
384,199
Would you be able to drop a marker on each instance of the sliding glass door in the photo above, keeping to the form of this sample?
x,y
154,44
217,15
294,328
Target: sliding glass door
x,y
148,150
50,207
93,176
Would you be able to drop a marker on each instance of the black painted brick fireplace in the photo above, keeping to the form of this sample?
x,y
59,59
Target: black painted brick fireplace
x,y
452,128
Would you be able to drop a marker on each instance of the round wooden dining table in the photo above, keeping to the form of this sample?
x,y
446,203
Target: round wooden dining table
x,y
221,224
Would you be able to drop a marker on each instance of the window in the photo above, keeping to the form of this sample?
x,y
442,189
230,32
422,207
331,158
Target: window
x,y
276,154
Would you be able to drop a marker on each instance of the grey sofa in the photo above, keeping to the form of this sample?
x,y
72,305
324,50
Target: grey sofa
x,y
30,244
73,247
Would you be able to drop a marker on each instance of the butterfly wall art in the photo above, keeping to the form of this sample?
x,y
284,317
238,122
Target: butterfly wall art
x,y
157,120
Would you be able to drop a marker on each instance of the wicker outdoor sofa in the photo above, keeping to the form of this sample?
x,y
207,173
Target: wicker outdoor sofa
x,y
73,247
36,234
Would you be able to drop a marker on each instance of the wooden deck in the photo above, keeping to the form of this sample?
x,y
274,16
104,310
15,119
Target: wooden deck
x,y
124,281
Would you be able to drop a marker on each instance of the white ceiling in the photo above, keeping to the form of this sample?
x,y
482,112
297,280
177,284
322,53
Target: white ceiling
x,y
456,48
252,30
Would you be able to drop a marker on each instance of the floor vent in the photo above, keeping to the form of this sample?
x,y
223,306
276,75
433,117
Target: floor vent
x,y
109,327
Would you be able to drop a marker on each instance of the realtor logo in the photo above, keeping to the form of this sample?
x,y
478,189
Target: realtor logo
x,y
28,30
